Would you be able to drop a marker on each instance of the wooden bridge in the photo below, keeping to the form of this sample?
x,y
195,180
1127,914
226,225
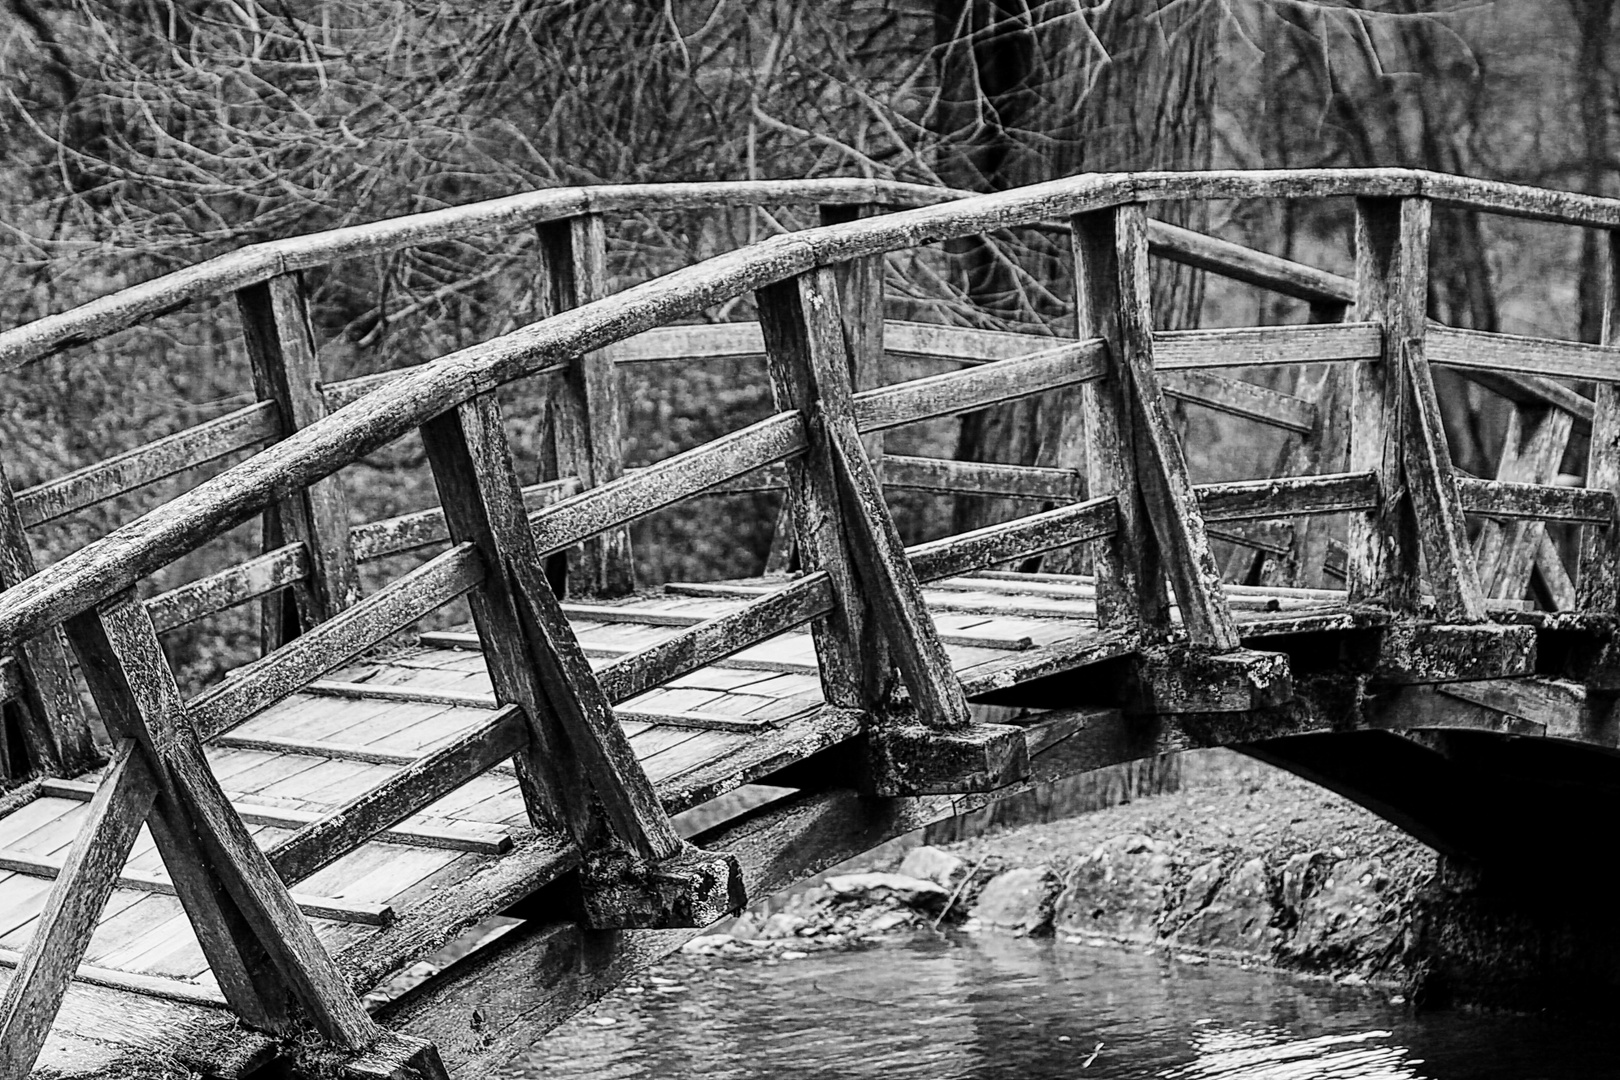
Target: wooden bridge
x,y
219,883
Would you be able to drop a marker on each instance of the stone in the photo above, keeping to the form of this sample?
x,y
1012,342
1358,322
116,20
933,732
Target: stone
x,y
889,920
1117,890
708,944
1019,900
782,925
932,864
745,928
1236,916
897,888
1346,921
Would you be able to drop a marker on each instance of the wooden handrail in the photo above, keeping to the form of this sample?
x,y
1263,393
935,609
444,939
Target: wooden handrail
x,y
112,563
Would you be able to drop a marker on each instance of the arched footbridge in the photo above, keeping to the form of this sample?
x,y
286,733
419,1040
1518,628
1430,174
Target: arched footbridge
x,y
217,879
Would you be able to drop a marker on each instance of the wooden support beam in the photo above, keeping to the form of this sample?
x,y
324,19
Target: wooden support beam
x,y
1167,495
281,347
63,930
1431,483
240,909
1532,451
55,732
846,529
483,506
1429,653
585,414
574,738
1179,680
1392,246
802,338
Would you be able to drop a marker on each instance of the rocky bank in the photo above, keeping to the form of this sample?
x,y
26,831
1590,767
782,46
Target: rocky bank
x,y
1245,865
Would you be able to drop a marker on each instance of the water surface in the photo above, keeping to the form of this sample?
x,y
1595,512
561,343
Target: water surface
x,y
1001,1009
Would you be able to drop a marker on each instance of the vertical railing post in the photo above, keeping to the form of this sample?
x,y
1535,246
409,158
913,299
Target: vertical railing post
x,y
881,621
585,422
281,347
1396,431
1136,451
860,293
55,733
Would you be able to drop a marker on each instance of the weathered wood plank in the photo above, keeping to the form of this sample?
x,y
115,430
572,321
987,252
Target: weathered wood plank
x,y
215,593
1266,346
715,639
1246,400
1392,245
1535,502
1247,265
408,532
86,880
1432,485
408,791
281,347
1480,350
1079,523
1289,496
955,392
1532,451
473,836
618,502
271,678
146,881
161,458
948,476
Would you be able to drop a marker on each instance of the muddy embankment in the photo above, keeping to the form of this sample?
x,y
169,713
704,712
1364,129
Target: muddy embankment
x,y
1244,865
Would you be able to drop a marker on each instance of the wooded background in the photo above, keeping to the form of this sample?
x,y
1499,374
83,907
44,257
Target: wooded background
x,y
139,136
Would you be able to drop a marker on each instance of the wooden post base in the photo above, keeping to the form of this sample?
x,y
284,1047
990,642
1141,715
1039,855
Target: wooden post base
x,y
395,1056
912,759
1437,653
1182,680
620,891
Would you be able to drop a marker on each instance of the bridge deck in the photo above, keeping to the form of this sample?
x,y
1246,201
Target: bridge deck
x,y
701,735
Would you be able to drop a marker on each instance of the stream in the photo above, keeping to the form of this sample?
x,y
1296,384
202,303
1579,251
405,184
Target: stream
x,y
1010,1009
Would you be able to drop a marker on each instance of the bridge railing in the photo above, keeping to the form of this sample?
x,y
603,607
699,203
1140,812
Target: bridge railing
x,y
860,590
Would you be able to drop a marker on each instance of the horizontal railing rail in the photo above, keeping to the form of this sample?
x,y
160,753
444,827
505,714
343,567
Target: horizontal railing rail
x,y
400,405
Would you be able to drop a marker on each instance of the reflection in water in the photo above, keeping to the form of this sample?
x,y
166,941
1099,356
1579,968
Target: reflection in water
x,y
1268,1053
1000,1009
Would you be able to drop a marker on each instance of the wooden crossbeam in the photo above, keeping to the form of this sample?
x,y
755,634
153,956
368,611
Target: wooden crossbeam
x,y
418,785
267,680
86,880
258,943
1532,451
